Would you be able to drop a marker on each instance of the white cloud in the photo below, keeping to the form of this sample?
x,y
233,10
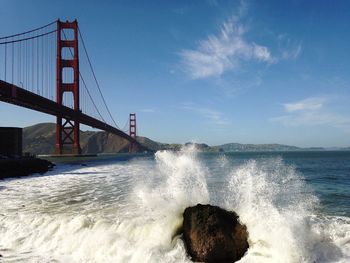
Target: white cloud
x,y
229,48
311,112
225,51
314,103
262,53
213,115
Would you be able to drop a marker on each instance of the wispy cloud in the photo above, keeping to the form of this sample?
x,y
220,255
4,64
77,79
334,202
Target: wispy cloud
x,y
214,116
292,52
289,49
224,51
313,104
229,48
312,111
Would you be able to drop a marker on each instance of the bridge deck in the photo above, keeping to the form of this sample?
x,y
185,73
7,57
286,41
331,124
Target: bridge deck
x,y
15,95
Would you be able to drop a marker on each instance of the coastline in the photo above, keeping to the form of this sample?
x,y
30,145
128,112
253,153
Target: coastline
x,y
23,166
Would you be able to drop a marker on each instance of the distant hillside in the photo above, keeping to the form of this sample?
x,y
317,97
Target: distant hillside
x,y
40,139
234,147
237,147
152,145
156,146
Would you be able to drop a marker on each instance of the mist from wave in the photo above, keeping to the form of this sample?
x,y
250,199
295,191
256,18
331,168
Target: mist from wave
x,y
131,211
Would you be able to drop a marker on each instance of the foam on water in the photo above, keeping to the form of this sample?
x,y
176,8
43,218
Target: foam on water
x,y
278,208
130,211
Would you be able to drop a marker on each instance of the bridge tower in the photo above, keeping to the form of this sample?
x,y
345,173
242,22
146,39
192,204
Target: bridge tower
x,y
132,130
67,129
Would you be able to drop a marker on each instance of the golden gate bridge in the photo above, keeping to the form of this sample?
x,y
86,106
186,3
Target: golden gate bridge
x,y
41,71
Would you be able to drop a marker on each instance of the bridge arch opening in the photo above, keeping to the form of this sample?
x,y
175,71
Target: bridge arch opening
x,y
67,53
68,99
67,33
67,75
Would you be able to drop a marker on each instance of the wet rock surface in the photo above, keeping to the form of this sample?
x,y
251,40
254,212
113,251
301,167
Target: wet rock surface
x,y
212,234
17,167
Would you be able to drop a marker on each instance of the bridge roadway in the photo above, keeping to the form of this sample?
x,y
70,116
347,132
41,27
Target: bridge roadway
x,y
15,95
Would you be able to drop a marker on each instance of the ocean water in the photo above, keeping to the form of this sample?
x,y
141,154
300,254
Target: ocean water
x,y
296,207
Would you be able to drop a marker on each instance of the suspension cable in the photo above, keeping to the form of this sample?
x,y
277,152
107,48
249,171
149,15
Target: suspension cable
x,y
30,31
126,126
12,40
28,38
93,73
64,34
91,98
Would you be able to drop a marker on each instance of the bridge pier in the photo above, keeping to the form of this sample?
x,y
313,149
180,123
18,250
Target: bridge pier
x,y
132,131
67,130
67,133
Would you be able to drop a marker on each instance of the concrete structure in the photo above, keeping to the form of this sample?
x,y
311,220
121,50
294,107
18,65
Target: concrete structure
x,y
10,141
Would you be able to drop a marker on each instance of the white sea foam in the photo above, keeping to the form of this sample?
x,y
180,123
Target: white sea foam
x,y
277,207
130,211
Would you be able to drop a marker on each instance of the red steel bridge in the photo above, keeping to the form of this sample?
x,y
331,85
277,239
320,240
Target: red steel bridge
x,y
40,70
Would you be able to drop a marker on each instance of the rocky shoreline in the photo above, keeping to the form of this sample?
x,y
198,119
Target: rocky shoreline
x,y
23,166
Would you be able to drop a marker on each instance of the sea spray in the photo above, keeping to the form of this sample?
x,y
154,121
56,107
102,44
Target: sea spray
x,y
274,203
129,211
177,181
277,206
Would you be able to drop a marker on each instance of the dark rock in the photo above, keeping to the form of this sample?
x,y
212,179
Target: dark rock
x,y
17,167
212,234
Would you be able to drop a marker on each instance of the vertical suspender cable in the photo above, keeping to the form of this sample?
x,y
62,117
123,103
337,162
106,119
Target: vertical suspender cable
x,y
20,65
13,62
50,70
23,64
37,66
46,59
42,67
26,64
32,51
5,61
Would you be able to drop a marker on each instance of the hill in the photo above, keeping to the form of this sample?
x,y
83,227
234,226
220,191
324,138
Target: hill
x,y
156,146
40,139
237,147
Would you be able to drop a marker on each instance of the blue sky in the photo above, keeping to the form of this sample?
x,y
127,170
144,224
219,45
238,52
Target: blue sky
x,y
210,71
